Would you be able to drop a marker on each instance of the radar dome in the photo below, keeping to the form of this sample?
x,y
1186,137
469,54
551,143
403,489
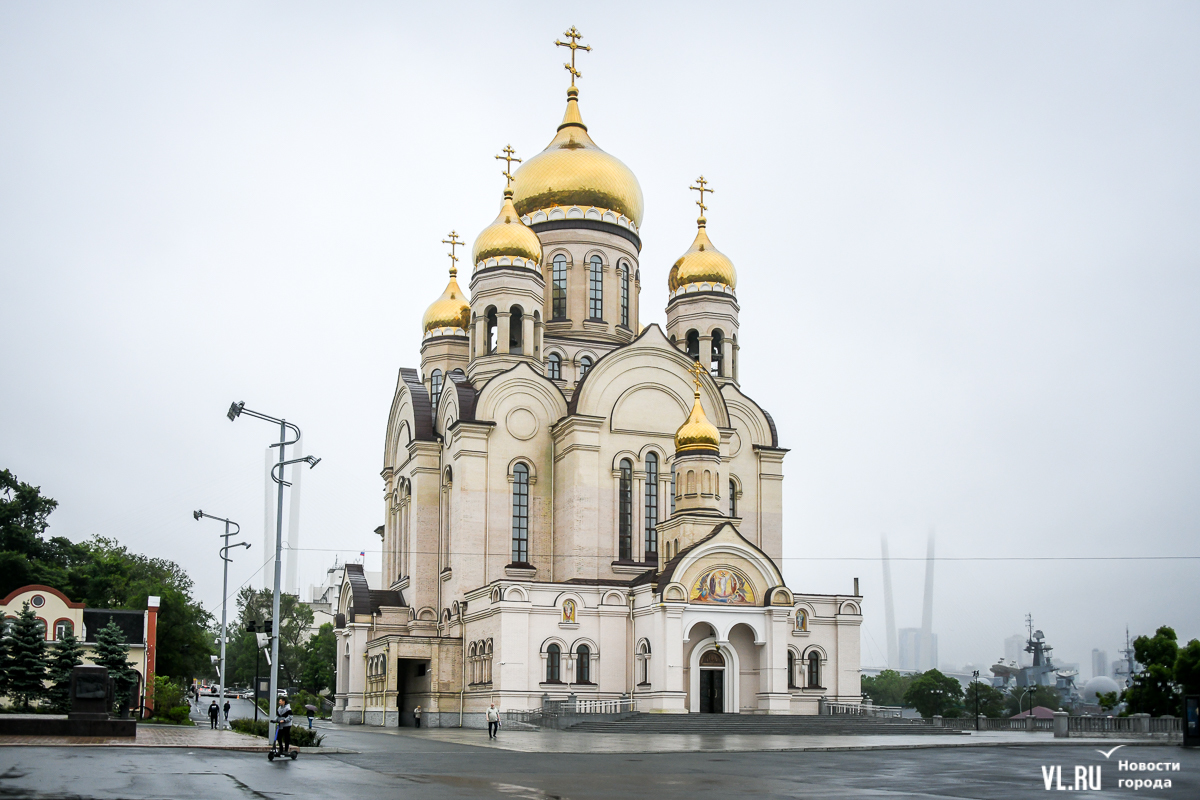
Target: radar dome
x,y
1101,684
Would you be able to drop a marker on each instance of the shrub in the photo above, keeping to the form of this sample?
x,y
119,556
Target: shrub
x,y
301,737
180,715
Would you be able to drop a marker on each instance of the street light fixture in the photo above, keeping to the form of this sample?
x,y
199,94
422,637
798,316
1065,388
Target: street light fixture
x,y
975,674
236,410
199,515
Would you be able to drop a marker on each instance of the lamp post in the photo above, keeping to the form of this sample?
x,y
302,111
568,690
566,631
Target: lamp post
x,y
199,515
235,411
975,674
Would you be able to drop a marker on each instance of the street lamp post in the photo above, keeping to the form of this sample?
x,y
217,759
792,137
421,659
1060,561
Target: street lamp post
x,y
976,676
235,411
199,515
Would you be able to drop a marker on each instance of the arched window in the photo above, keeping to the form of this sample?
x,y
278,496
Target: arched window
x,y
693,345
583,664
491,330
791,668
644,652
672,491
585,366
814,670
62,628
554,367
596,289
651,506
435,388
558,282
732,498
625,510
553,664
625,295
520,515
516,330
717,366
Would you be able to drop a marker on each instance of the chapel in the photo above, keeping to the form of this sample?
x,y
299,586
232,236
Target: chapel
x,y
576,505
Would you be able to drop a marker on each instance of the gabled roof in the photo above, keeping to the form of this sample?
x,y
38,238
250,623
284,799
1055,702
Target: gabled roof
x,y
466,395
422,409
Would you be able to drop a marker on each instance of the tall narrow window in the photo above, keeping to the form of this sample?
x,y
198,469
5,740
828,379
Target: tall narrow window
x,y
596,289
625,295
492,329
651,506
516,330
625,504
554,367
520,515
583,664
553,664
814,670
693,345
791,668
435,388
585,366
732,498
558,280
672,491
717,366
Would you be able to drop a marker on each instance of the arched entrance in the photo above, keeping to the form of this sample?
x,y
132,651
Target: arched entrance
x,y
712,682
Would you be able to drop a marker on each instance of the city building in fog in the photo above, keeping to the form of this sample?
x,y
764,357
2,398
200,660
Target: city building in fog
x,y
1099,663
1014,651
912,655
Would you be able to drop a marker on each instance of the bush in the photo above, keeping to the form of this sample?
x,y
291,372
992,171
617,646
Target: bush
x,y
301,737
180,715
167,694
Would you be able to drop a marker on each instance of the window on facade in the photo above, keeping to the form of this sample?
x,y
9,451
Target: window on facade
x,y
717,367
672,491
558,282
62,628
693,345
553,664
814,669
596,289
435,388
520,515
585,365
625,527
625,295
583,664
791,669
732,498
492,329
516,330
554,367
645,653
651,506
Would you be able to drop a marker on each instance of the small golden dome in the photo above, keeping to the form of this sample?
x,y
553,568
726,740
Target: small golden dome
x,y
450,310
573,171
697,433
702,263
507,236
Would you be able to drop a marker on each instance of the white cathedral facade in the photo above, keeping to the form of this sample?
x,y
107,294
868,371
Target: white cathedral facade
x,y
576,504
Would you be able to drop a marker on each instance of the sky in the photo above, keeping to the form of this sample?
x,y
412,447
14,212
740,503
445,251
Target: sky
x,y
965,233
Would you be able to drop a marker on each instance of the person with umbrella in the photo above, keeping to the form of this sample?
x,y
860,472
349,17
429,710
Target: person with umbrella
x,y
309,711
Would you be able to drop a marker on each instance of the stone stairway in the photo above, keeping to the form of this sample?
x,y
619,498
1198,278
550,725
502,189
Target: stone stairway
x,y
760,724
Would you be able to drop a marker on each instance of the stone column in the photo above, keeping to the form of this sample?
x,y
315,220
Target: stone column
x,y
502,331
481,342
727,358
706,352
1060,725
527,335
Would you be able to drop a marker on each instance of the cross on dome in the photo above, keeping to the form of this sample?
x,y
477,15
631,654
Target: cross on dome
x,y
454,242
574,35
508,158
697,370
701,188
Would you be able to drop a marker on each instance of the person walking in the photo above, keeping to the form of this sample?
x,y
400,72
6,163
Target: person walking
x,y
213,714
309,713
226,710
493,720
283,718
417,715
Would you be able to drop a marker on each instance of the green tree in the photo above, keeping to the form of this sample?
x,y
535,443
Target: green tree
x,y
112,653
23,517
27,658
167,695
1107,700
4,654
321,660
65,655
887,688
1187,667
255,605
1018,700
990,700
932,693
1153,690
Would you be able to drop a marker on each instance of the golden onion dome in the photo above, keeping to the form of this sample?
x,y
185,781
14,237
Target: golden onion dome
x,y
507,236
573,171
450,310
702,263
697,433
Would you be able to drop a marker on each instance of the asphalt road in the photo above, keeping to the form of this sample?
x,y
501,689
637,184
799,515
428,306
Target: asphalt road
x,y
408,766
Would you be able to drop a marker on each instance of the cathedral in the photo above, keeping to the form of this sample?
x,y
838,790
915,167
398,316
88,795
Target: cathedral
x,y
577,505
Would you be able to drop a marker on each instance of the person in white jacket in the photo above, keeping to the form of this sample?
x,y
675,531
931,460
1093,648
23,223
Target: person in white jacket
x,y
493,720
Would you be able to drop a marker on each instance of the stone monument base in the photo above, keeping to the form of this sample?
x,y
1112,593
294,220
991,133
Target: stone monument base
x,y
62,725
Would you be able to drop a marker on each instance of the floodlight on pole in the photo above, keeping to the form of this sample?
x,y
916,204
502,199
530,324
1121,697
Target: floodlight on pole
x,y
199,515
236,410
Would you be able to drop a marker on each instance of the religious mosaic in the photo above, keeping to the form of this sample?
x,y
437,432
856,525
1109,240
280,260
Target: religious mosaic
x,y
722,585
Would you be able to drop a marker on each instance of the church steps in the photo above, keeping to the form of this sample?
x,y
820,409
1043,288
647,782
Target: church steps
x,y
757,724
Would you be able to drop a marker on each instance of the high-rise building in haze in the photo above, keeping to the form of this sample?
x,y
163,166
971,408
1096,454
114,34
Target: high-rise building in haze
x,y
1099,663
912,656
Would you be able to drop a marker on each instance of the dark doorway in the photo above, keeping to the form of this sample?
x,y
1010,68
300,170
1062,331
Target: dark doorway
x,y
712,691
401,681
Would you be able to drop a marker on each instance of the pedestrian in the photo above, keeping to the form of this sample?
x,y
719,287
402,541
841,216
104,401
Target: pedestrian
x,y
213,714
226,709
493,719
283,718
309,714
417,715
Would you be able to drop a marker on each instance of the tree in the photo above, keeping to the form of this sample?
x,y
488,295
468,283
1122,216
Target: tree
x,y
255,605
887,688
1107,700
990,700
320,660
1017,700
167,695
1187,667
27,658
1153,690
23,517
112,653
66,654
932,693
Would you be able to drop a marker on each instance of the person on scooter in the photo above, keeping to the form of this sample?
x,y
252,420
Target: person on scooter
x,y
283,718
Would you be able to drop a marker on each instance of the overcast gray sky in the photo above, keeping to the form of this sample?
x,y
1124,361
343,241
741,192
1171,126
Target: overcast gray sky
x,y
966,237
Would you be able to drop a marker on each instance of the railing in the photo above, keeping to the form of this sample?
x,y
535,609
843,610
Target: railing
x,y
620,706
996,724
860,710
1136,723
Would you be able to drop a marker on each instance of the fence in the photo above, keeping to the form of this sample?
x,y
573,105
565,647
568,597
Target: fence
x,y
1134,723
859,710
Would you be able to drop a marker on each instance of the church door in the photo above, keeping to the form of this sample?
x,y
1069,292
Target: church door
x,y
712,683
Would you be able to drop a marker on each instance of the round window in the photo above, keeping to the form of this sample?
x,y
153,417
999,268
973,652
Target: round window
x,y
37,601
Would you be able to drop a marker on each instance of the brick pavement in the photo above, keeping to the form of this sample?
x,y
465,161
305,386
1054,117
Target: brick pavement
x,y
152,736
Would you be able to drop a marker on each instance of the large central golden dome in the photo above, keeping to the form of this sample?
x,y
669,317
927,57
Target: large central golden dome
x,y
573,171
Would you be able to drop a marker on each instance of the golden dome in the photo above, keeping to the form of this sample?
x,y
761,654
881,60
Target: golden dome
x,y
507,236
450,310
573,171
697,433
702,263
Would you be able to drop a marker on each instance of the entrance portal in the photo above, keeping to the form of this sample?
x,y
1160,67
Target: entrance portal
x,y
712,683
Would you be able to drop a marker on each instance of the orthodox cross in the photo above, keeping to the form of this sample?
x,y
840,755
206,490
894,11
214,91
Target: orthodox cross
x,y
574,44
508,158
453,242
702,188
697,370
